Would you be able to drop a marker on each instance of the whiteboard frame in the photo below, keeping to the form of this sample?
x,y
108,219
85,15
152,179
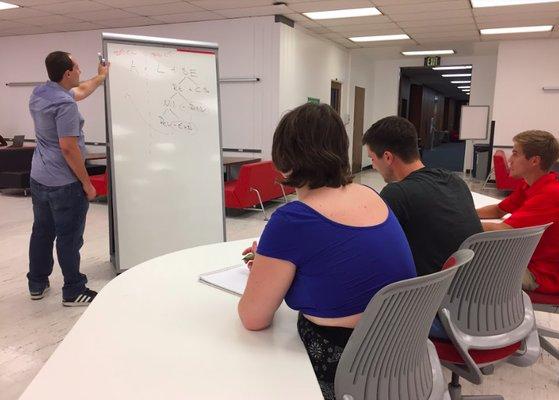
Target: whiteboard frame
x,y
159,42
486,123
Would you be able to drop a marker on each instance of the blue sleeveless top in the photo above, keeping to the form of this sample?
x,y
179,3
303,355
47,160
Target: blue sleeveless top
x,y
339,268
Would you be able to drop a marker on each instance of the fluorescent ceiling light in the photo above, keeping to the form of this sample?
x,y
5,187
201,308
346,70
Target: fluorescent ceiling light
x,y
460,82
455,75
427,52
499,3
378,38
463,87
452,67
519,29
7,6
349,13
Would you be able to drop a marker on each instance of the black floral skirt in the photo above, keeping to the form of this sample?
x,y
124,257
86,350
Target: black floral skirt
x,y
324,345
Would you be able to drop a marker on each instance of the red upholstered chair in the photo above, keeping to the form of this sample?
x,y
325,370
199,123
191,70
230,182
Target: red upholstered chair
x,y
257,182
99,182
546,303
503,180
486,315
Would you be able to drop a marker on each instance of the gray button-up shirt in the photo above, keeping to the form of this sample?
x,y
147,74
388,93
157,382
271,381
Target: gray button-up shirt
x,y
55,114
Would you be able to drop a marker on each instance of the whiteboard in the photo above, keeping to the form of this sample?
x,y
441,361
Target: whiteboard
x,y
163,131
473,122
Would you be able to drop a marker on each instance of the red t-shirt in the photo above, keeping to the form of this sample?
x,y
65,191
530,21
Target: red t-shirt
x,y
538,205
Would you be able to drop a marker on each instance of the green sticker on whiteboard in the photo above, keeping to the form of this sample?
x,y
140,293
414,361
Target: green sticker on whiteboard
x,y
313,100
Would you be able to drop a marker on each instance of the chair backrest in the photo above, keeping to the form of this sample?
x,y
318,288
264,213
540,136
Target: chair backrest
x,y
261,176
386,357
485,299
503,180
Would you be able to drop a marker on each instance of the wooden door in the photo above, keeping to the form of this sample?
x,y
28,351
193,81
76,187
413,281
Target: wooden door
x,y
358,113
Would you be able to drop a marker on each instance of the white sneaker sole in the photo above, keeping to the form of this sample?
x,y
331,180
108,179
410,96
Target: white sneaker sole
x,y
39,296
74,304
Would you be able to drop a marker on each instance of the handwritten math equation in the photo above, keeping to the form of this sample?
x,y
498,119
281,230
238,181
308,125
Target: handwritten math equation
x,y
178,100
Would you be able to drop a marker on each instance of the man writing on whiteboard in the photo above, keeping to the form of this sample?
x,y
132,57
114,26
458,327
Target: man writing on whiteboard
x,y
60,185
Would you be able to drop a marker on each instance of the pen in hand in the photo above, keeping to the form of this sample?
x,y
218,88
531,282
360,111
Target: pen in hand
x,y
248,257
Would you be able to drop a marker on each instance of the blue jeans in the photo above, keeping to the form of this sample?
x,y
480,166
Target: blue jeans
x,y
59,212
437,330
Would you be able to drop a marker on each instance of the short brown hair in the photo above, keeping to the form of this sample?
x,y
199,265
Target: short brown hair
x,y
311,146
539,143
394,134
57,63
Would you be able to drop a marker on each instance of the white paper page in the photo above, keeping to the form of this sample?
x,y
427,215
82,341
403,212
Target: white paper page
x,y
231,279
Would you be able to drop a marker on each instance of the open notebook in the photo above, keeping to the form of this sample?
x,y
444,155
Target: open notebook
x,y
231,279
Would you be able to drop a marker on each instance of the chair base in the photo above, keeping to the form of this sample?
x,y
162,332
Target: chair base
x,y
455,391
545,344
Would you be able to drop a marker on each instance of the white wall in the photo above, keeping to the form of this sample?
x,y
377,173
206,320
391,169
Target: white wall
x,y
361,74
307,67
523,68
249,47
386,84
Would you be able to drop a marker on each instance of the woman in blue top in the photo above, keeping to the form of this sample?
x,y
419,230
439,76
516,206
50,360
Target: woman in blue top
x,y
328,253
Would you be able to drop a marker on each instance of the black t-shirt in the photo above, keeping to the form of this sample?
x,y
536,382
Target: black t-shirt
x,y
436,211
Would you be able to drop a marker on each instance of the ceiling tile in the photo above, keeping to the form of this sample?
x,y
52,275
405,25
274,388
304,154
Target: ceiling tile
x,y
127,22
28,3
440,14
131,3
225,4
425,7
434,22
447,35
71,6
164,9
442,28
46,20
319,29
252,11
17,13
4,25
328,5
102,15
188,17
517,20
28,30
75,26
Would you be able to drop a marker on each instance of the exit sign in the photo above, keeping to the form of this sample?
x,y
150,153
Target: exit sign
x,y
433,61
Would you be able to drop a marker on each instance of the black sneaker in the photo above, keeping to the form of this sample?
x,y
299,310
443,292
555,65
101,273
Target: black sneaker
x,y
83,299
39,295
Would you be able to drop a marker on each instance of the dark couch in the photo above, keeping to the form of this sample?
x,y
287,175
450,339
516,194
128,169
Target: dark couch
x,y
15,167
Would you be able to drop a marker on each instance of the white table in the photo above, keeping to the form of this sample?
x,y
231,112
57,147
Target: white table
x,y
481,200
155,332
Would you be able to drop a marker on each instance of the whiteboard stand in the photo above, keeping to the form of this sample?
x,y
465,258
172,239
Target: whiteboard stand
x,y
164,147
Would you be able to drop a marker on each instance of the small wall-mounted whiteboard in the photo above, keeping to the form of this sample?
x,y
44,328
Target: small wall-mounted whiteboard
x,y
163,124
474,121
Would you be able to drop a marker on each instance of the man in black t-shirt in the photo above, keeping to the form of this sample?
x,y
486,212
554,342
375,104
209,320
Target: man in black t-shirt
x,y
434,206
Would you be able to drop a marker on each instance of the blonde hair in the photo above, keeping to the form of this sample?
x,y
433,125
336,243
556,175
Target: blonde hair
x,y
539,143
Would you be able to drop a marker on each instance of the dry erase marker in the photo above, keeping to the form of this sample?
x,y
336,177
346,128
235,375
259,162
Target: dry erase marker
x,y
102,61
248,257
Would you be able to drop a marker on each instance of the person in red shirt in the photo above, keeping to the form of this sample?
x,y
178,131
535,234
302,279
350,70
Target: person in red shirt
x,y
535,202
